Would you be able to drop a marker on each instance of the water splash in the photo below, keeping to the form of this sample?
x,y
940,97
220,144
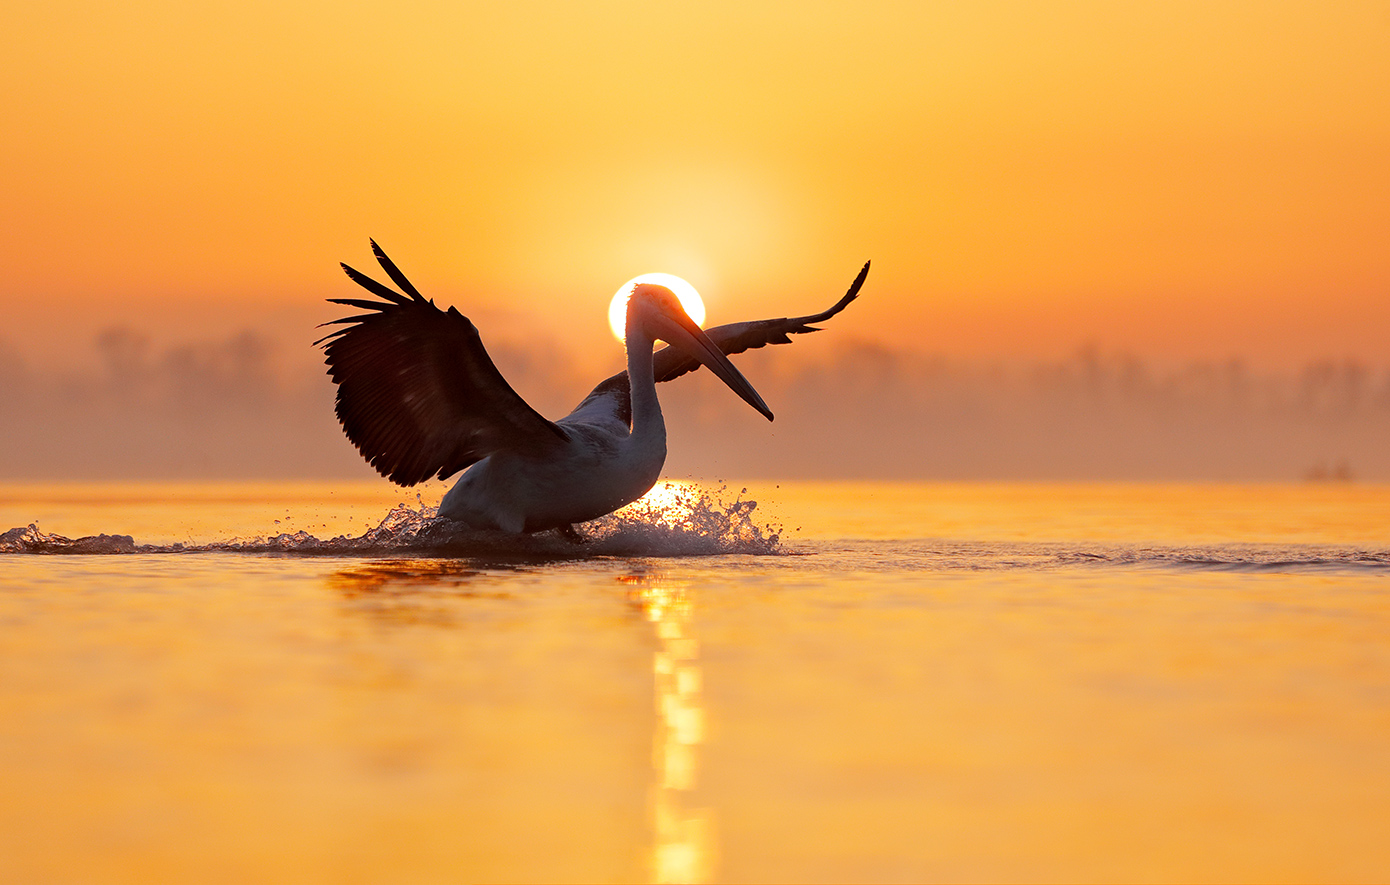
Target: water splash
x,y
684,519
29,539
677,519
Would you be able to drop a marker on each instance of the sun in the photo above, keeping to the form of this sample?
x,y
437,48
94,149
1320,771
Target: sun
x,y
689,299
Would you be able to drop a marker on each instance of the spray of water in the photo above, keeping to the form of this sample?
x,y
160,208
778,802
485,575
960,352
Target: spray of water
x,y
676,519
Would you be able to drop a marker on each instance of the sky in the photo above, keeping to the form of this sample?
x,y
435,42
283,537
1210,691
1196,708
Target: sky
x,y
1175,180
1181,177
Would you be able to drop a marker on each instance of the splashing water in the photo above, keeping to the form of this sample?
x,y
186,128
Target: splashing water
x,y
675,519
684,519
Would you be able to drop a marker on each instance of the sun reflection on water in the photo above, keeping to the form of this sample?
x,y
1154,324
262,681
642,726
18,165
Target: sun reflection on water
x,y
683,836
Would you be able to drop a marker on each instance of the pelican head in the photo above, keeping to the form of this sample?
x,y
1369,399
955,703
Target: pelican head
x,y
657,311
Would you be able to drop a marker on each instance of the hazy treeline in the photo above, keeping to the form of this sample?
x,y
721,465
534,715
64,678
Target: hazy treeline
x,y
209,409
250,405
863,410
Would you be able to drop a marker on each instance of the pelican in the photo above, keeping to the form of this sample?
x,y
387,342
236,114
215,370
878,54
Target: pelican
x,y
419,397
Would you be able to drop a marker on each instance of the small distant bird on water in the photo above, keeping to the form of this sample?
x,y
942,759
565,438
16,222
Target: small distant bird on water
x,y
419,397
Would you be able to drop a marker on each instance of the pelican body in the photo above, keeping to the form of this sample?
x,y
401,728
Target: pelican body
x,y
604,463
419,397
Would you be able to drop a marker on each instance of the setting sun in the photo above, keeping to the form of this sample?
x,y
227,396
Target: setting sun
x,y
689,298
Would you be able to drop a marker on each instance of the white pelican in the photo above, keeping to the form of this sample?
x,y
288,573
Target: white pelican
x,y
419,397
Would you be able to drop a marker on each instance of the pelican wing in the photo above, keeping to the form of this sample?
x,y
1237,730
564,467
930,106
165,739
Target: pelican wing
x,y
614,393
418,394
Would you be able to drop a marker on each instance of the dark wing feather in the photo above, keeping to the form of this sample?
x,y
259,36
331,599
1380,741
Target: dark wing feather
x,y
395,272
418,394
731,338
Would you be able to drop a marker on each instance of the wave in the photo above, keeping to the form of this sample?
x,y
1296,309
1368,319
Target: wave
x,y
1240,558
945,556
682,521
1230,557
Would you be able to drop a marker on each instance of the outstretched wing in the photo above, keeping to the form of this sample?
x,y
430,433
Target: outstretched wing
x,y
418,394
731,338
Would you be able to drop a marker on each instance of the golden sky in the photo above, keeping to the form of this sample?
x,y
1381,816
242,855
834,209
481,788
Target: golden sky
x,y
1174,178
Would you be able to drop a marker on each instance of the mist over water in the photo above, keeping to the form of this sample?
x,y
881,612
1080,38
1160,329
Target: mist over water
x,y
256,406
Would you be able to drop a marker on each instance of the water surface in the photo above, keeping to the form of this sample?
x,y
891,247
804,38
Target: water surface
x,y
851,681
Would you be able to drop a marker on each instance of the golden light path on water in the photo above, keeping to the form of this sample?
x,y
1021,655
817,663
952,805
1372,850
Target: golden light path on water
x,y
689,298
682,832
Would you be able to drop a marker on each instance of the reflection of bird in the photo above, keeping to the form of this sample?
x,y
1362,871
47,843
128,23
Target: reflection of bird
x,y
419,397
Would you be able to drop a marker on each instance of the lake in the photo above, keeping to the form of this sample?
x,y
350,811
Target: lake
x,y
847,681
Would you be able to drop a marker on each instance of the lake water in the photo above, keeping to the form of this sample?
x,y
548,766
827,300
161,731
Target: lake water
x,y
851,681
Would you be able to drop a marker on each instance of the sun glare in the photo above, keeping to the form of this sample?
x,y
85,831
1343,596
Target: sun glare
x,y
689,298
671,502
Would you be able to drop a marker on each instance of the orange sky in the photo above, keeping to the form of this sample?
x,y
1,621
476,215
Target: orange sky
x,y
1178,178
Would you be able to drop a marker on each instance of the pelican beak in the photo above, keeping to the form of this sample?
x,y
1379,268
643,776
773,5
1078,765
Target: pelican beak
x,y
681,331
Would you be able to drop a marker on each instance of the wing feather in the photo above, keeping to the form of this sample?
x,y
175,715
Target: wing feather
x,y
418,394
373,286
395,273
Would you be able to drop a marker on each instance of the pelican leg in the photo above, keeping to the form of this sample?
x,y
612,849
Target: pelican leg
x,y
571,534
